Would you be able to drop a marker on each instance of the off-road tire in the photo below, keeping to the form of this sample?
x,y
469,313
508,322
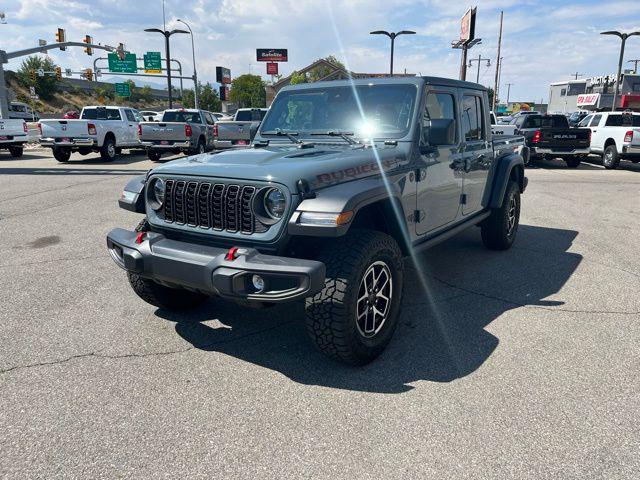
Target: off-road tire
x,y
331,314
610,158
108,151
154,156
573,162
159,295
200,148
62,154
165,297
16,152
499,230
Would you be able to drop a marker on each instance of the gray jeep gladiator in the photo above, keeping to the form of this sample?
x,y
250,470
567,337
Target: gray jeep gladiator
x,y
344,180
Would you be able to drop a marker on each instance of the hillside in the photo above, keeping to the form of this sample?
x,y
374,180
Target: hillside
x,y
73,94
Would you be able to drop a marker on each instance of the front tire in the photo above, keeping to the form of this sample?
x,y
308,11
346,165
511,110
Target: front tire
x,y
108,151
16,152
165,297
62,154
154,156
355,315
499,230
611,158
573,162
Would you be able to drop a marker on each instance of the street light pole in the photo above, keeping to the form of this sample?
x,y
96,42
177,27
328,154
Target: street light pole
x,y
479,60
195,74
167,34
623,37
392,36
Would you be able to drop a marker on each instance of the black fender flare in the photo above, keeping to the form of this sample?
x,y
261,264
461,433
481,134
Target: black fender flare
x,y
506,165
345,197
132,197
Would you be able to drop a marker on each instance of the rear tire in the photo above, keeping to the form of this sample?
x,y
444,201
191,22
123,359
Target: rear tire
x,y
355,315
154,156
573,162
108,151
499,230
16,152
62,154
611,158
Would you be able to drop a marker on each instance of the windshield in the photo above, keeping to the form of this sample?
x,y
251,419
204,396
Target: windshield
x,y
556,121
188,117
387,111
250,115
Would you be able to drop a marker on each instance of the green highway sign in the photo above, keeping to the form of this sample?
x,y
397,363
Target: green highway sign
x,y
123,89
152,62
128,65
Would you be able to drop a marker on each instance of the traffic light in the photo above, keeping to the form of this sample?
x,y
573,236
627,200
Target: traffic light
x,y
120,51
58,73
88,40
61,37
32,76
88,74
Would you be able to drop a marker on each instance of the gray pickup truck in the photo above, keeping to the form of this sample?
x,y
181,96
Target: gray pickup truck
x,y
343,181
179,130
239,132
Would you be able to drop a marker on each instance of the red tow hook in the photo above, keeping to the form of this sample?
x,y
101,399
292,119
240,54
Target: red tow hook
x,y
140,237
232,254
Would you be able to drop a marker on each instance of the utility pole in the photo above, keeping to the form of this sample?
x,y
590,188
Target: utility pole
x,y
635,65
479,60
496,83
508,91
576,75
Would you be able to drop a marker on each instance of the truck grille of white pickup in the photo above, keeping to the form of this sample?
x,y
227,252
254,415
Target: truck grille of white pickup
x,y
214,206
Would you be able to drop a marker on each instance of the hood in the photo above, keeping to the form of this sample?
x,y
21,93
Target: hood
x,y
320,165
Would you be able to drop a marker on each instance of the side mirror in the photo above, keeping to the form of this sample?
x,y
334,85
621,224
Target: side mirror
x,y
442,131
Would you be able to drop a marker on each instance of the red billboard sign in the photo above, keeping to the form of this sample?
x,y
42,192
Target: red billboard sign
x,y
272,68
272,55
468,25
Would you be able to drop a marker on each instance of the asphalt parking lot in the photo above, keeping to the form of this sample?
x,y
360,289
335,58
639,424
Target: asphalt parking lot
x,y
518,364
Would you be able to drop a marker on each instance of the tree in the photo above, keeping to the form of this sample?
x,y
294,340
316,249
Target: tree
x,y
145,94
322,71
297,78
248,91
207,100
45,86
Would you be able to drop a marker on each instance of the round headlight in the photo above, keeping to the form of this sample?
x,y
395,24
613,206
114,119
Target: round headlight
x,y
158,193
275,203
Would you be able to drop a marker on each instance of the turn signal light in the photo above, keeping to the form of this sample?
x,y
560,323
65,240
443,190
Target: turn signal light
x,y
187,130
40,128
139,130
628,136
536,136
25,128
92,129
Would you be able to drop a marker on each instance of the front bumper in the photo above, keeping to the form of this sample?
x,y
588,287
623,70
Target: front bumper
x,y
71,142
208,269
171,146
551,151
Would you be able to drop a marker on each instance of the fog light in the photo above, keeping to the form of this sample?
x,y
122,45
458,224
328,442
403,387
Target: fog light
x,y
258,283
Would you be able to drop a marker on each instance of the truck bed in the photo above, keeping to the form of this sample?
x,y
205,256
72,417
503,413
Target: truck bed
x,y
158,132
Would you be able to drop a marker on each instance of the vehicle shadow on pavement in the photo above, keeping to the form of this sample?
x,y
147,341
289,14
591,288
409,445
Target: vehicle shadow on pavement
x,y
457,289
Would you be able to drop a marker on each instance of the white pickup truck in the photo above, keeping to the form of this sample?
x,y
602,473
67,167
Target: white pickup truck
x,y
501,129
13,136
100,129
615,136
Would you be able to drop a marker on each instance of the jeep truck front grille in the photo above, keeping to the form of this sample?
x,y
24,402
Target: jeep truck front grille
x,y
214,206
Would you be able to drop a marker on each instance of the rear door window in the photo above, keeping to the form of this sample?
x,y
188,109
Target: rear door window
x,y
130,115
595,121
472,124
623,120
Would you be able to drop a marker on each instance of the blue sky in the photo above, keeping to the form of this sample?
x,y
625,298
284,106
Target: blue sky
x,y
544,41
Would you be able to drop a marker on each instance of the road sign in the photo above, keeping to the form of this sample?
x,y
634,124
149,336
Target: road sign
x,y
152,62
123,89
272,68
272,55
127,65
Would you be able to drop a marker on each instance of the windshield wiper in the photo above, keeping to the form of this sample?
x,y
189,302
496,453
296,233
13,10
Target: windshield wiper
x,y
282,133
336,133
